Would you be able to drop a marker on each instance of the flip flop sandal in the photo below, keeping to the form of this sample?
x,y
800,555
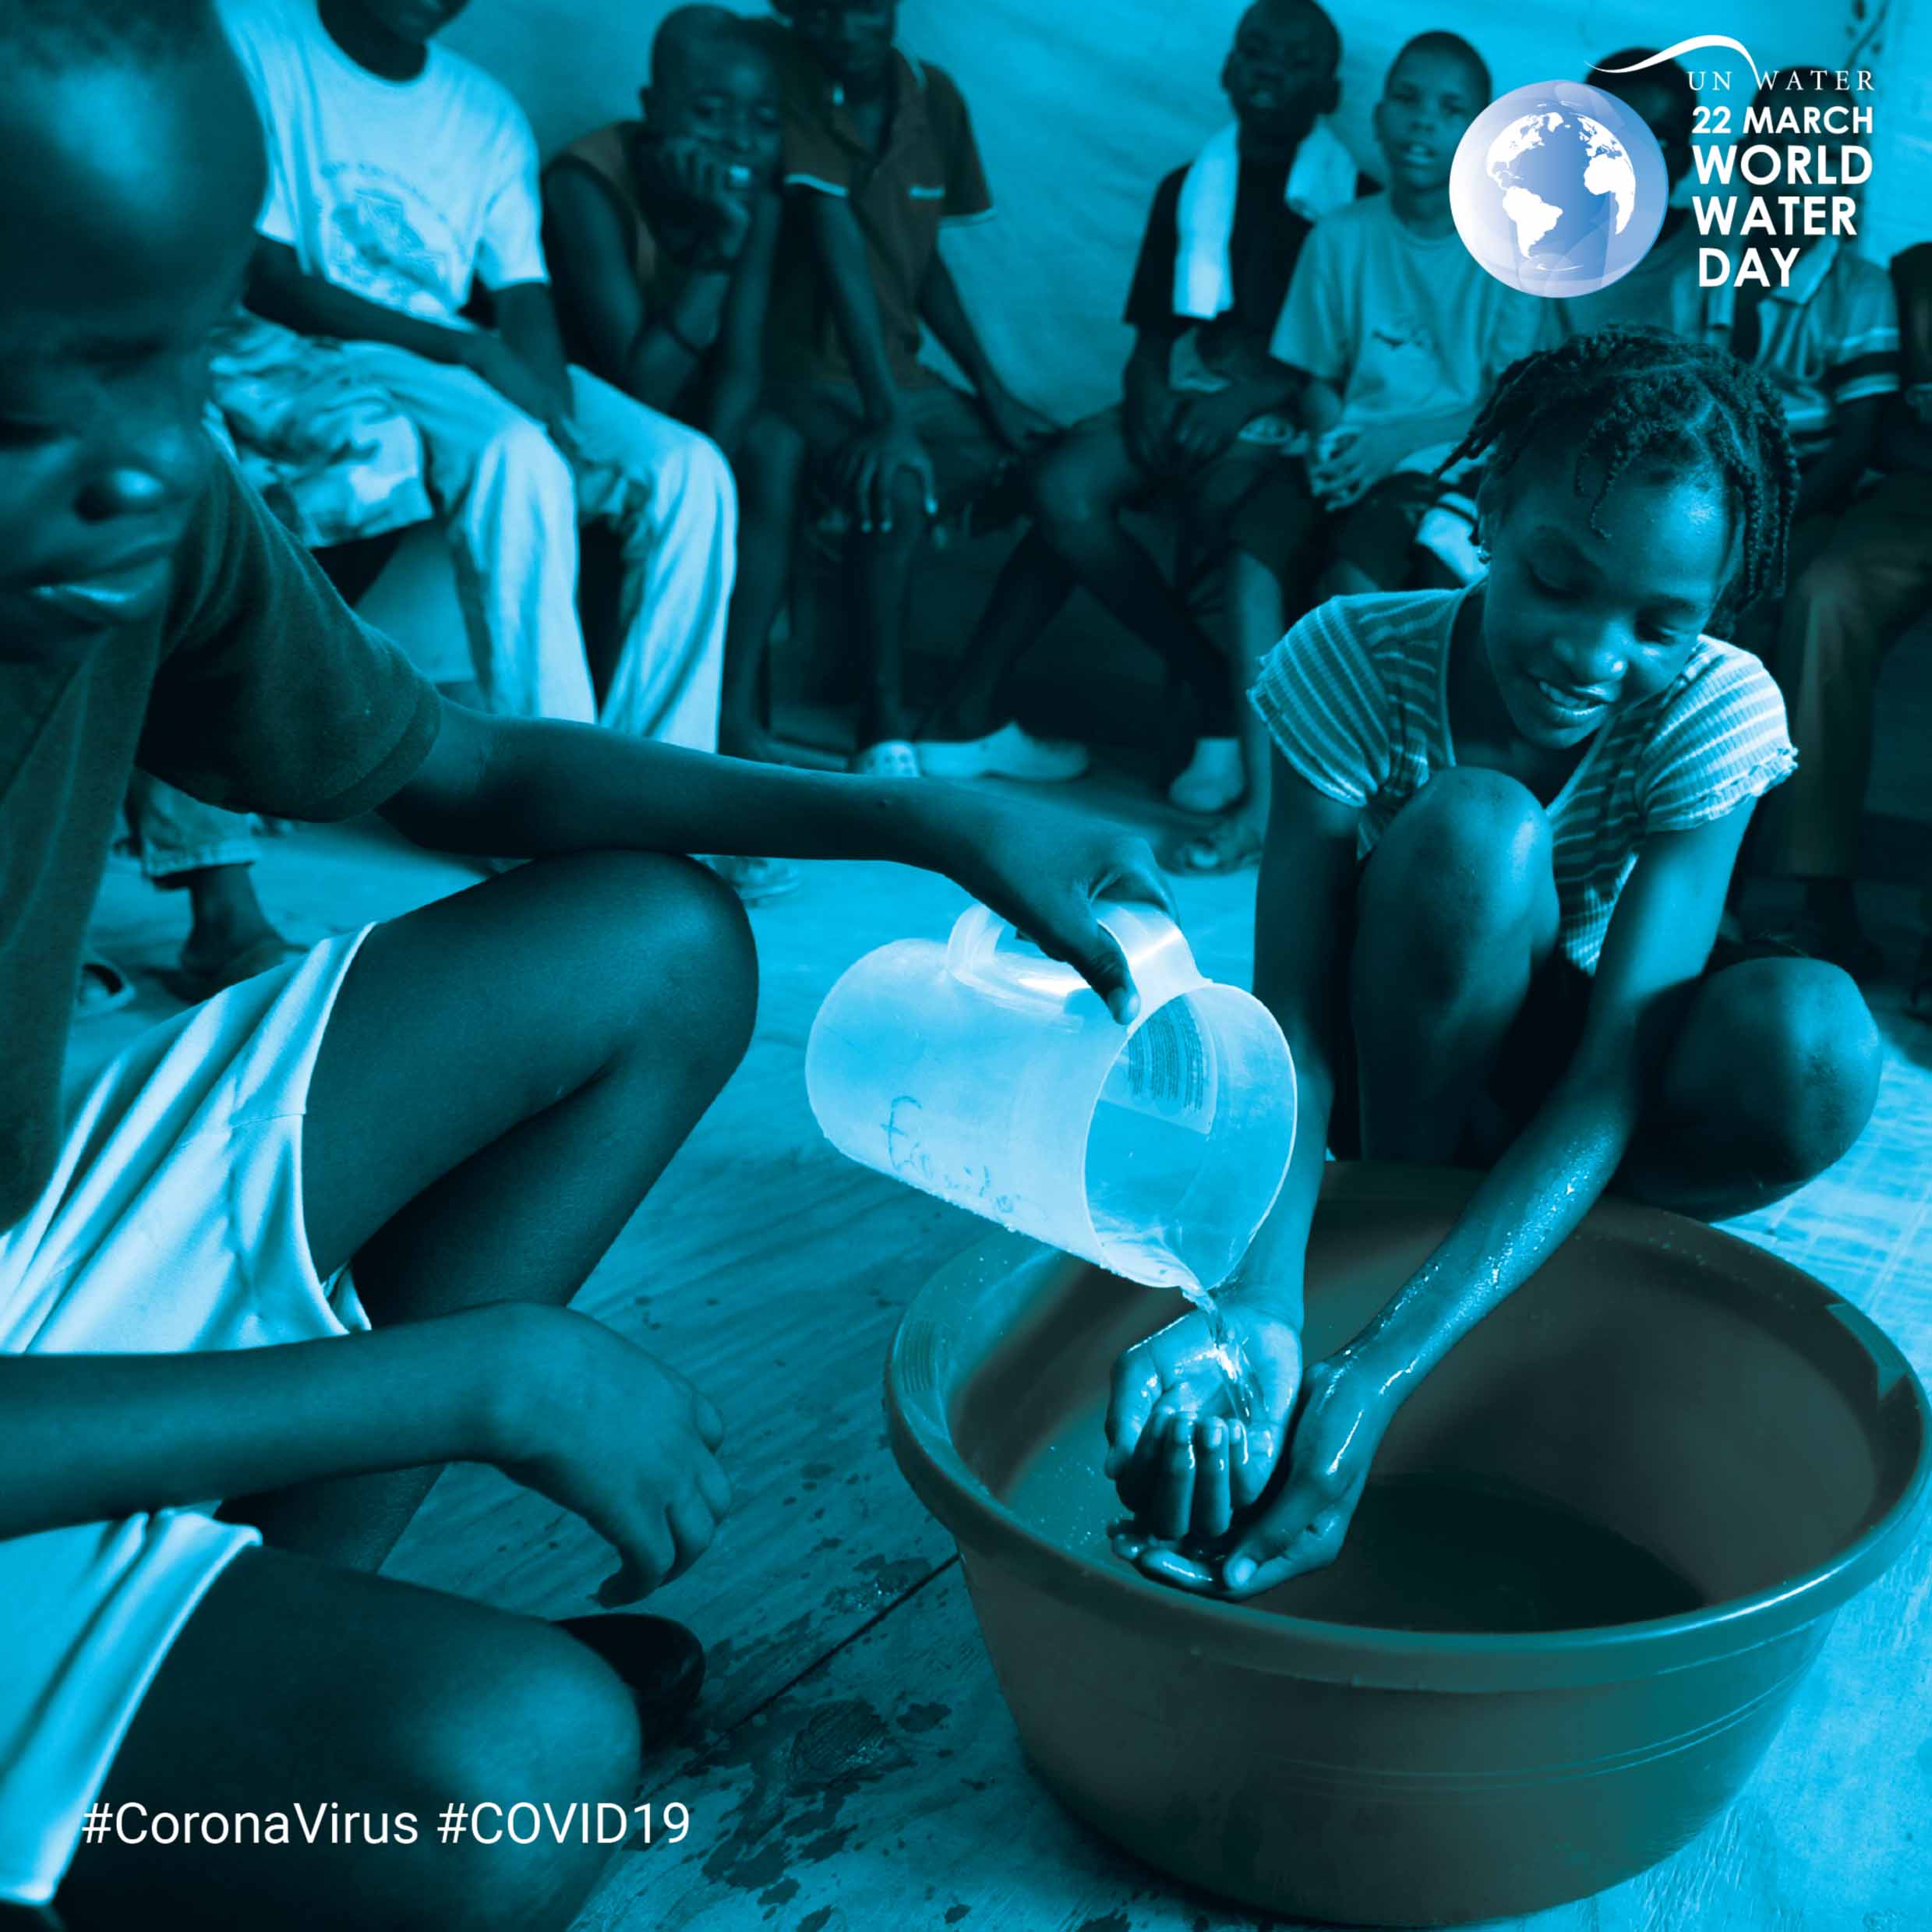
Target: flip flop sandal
x,y
755,880
264,956
1204,856
891,757
116,989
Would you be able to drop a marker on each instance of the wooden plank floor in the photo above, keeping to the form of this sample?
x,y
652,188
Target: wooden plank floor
x,y
854,1767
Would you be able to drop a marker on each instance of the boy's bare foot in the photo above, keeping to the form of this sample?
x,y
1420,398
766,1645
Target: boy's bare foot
x,y
1229,845
232,939
1214,779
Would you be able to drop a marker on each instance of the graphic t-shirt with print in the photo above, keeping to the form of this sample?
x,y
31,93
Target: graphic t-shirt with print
x,y
403,193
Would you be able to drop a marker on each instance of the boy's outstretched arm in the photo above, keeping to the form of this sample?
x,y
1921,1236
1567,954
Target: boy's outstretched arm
x,y
528,787
527,326
1527,1205
888,443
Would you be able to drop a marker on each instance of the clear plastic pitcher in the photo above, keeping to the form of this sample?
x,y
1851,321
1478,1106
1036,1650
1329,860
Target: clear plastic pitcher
x,y
984,1073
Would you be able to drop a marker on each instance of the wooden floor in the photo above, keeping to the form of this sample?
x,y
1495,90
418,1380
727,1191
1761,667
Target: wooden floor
x,y
854,1767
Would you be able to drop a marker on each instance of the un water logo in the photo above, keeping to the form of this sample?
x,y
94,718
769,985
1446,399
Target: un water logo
x,y
1558,188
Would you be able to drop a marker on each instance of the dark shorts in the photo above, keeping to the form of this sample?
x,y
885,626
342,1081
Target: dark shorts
x,y
1286,528
1540,1044
968,459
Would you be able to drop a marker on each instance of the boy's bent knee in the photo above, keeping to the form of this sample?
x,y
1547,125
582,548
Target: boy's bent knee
x,y
527,1719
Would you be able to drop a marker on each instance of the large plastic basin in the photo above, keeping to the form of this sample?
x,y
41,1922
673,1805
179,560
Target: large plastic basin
x,y
1730,1421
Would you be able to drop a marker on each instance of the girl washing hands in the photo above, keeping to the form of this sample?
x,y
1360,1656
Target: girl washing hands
x,y
1503,822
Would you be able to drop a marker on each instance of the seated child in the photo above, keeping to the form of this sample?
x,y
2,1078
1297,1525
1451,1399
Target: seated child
x,y
400,177
466,1105
660,232
1201,421
1662,290
1861,561
879,152
1503,820
1390,312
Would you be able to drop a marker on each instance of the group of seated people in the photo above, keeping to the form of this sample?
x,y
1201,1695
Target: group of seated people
x,y
703,327
295,1249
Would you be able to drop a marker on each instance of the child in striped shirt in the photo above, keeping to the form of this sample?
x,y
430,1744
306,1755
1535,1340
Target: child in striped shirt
x,y
1503,822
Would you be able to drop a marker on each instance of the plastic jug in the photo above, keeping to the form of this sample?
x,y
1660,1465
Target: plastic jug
x,y
984,1073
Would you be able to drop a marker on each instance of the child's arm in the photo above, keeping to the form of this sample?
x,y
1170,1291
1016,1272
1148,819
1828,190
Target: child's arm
x,y
1301,912
649,355
528,786
562,1404
1830,478
739,376
1525,1206
1149,402
945,313
526,326
888,443
280,290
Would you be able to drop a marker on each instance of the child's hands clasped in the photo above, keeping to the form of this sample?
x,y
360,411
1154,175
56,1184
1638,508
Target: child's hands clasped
x,y
1347,462
1183,1458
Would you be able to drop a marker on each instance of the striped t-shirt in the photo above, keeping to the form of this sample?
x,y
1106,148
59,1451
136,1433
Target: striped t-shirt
x,y
1356,697
1829,338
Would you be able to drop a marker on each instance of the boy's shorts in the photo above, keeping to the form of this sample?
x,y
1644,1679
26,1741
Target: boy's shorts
x,y
1287,528
968,458
173,1224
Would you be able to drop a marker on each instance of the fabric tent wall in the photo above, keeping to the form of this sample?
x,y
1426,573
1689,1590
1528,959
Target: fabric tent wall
x,y
1081,105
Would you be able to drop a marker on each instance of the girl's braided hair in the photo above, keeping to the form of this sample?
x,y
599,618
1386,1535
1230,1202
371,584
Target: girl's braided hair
x,y
1623,394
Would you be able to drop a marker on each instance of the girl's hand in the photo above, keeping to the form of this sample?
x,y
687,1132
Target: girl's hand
x,y
1184,1459
1346,1410
589,1420
1043,870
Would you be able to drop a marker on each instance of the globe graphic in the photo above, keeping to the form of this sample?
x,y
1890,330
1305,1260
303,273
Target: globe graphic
x,y
1558,188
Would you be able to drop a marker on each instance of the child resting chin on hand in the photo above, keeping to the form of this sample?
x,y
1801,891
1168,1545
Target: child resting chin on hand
x,y
1503,820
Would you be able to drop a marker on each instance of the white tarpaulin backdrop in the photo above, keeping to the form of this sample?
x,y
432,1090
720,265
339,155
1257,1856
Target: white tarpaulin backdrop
x,y
1081,105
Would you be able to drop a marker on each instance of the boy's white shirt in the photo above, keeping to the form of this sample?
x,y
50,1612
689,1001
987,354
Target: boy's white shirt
x,y
402,193
1321,179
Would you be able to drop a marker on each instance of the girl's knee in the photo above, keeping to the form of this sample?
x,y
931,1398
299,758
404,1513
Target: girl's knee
x,y
1821,1057
1472,842
1789,1049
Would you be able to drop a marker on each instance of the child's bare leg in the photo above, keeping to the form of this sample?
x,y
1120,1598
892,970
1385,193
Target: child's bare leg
x,y
294,1682
1252,622
1457,910
1771,1075
881,562
1078,495
770,470
505,1075
1032,590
